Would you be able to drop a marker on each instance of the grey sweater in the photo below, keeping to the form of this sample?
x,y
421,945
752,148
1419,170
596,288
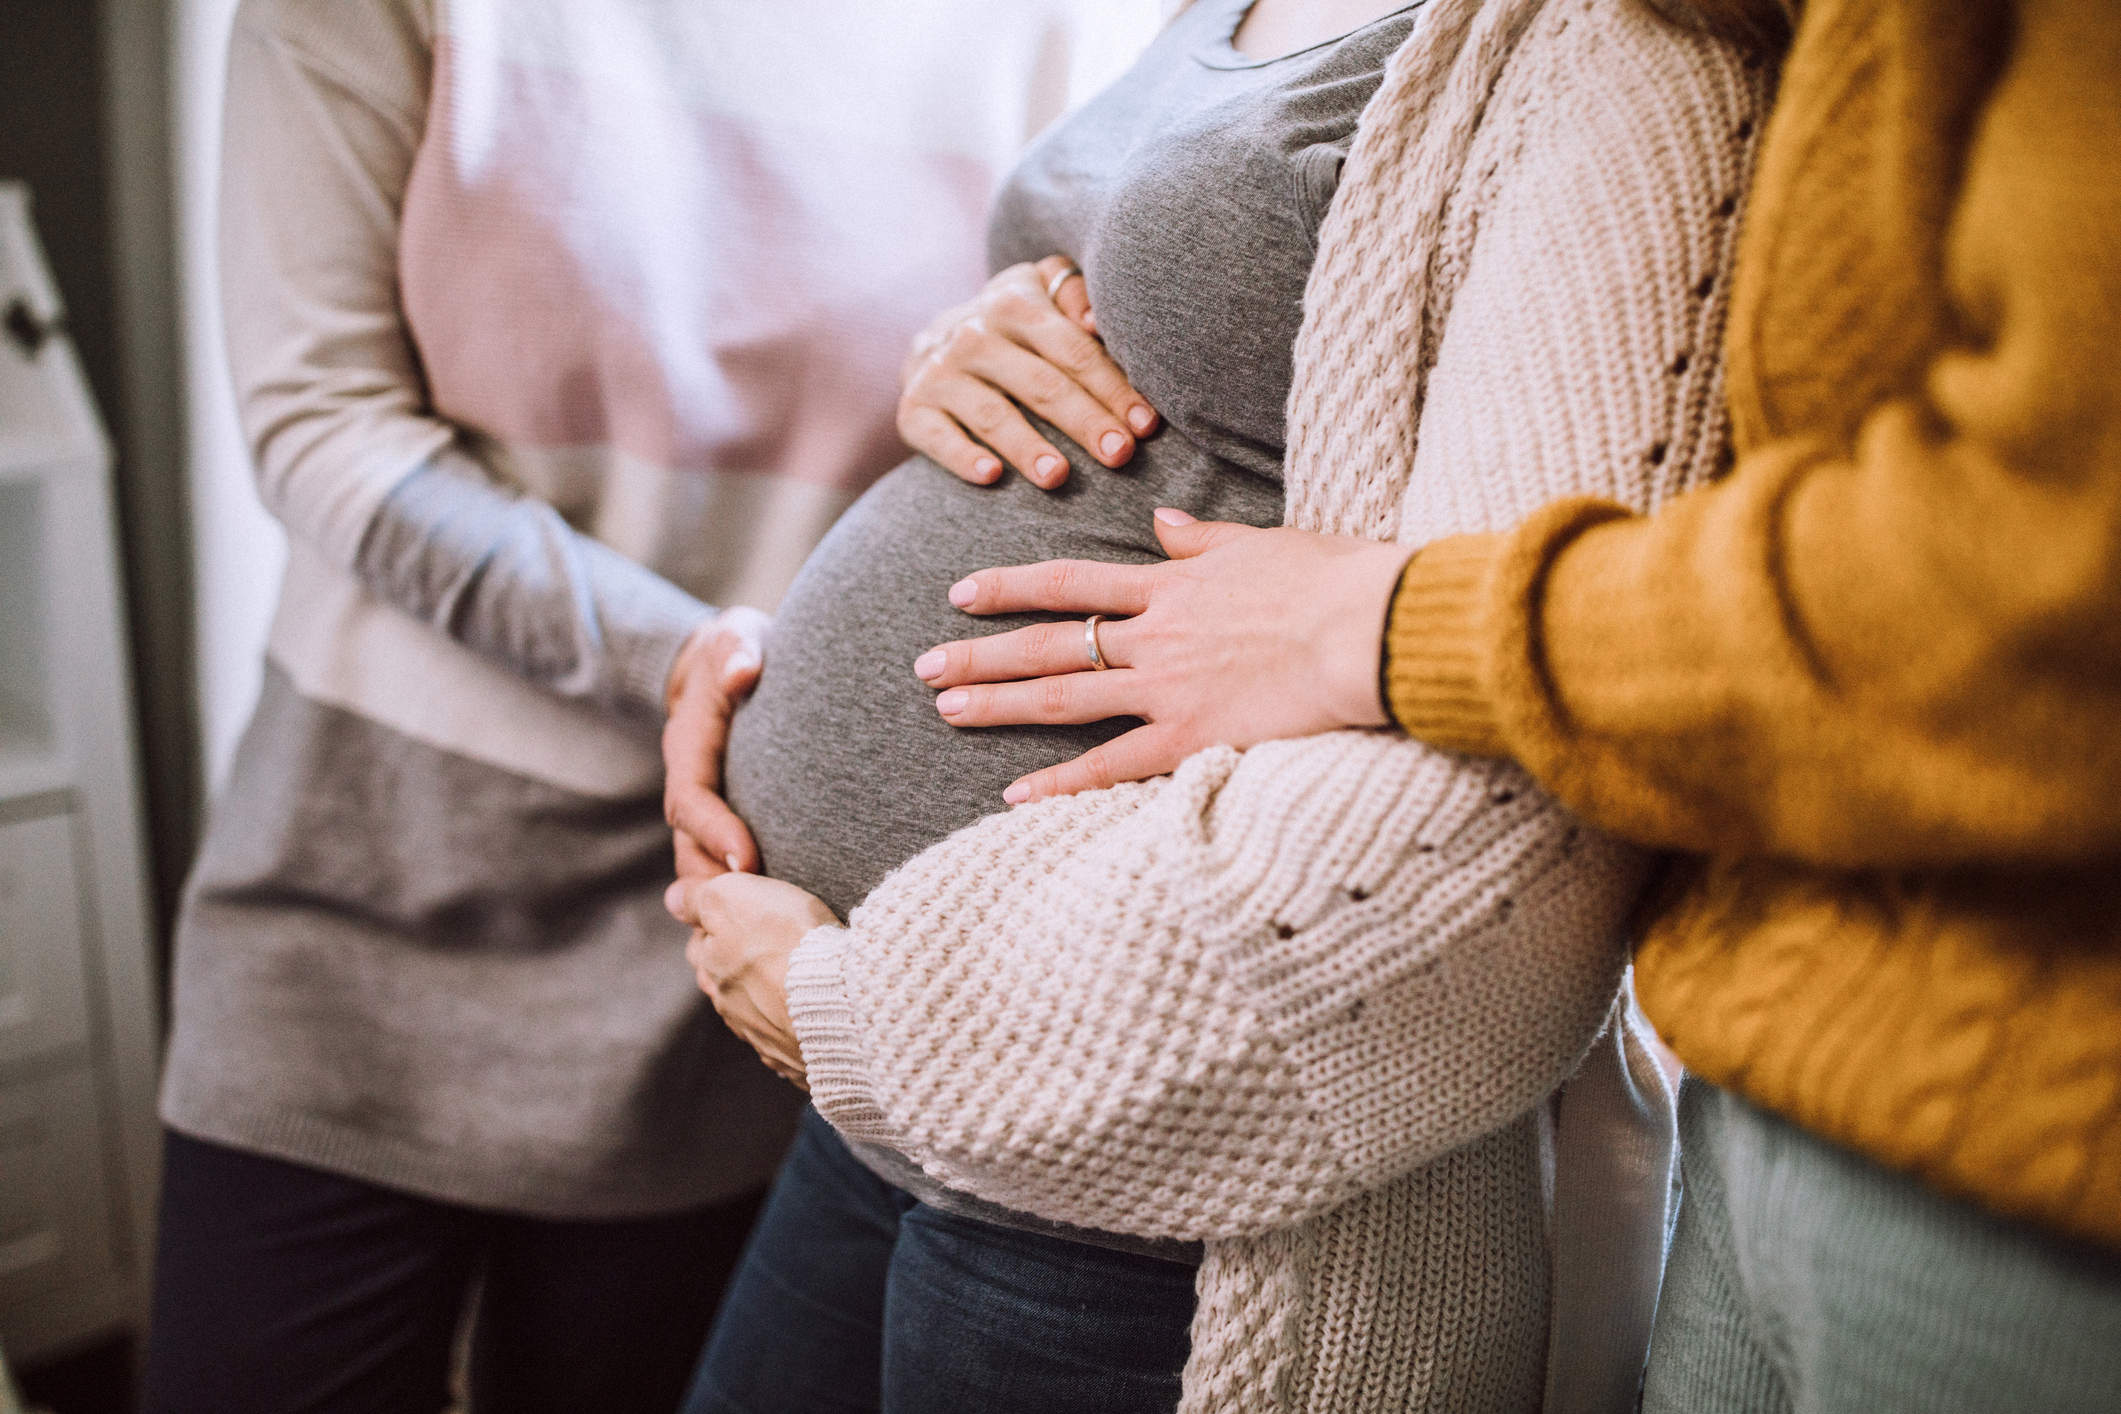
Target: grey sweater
x,y
522,415
1190,192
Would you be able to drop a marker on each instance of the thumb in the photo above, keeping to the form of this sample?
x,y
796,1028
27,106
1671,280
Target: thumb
x,y
741,643
1183,537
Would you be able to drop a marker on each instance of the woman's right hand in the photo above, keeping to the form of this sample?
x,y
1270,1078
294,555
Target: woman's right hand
x,y
1029,335
715,670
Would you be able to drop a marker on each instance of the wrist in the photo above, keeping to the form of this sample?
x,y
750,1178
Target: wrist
x,y
1355,634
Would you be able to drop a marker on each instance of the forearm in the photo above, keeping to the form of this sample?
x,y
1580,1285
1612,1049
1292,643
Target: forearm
x,y
508,577
1890,644
1745,673
326,108
1225,1002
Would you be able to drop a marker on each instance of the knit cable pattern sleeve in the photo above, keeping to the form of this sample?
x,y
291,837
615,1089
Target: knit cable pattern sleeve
x,y
1223,1003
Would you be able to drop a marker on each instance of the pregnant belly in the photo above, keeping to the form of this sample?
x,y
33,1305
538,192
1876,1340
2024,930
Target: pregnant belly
x,y
839,762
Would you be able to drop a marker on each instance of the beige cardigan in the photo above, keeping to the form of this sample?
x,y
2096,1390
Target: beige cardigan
x,y
1309,1002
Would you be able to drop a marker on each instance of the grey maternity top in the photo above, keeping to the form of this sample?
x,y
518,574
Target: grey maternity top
x,y
1191,193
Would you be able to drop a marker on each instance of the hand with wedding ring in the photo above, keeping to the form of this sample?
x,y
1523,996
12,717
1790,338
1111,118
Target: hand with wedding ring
x,y
1029,336
1242,636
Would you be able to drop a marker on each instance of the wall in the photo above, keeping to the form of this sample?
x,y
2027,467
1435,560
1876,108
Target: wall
x,y
85,120
238,549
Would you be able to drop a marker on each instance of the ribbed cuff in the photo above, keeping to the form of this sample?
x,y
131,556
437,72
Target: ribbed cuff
x,y
1432,674
659,624
835,1062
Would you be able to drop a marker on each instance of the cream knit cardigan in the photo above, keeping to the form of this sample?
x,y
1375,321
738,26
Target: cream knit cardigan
x,y
1308,1002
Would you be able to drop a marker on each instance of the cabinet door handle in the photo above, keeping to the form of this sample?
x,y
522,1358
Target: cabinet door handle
x,y
26,331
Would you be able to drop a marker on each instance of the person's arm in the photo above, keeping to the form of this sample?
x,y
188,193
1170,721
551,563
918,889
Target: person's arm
x,y
1217,1003
1900,654
1202,1007
1904,651
326,108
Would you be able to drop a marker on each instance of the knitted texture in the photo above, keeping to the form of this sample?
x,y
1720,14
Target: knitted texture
x,y
1870,680
1304,1002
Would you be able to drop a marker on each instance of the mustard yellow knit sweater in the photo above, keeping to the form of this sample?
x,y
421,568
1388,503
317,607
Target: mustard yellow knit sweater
x,y
1871,680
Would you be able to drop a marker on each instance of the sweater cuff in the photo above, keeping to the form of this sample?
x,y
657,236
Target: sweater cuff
x,y
828,1029
647,649
1432,663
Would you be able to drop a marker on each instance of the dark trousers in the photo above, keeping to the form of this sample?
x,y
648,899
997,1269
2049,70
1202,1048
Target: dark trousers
x,y
281,1288
853,1296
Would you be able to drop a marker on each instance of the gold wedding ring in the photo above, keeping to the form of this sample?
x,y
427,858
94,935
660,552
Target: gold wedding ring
x,y
1097,655
1053,286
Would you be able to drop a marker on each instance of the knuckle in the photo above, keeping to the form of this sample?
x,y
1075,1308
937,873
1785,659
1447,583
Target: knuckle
x,y
989,418
1082,356
1057,579
963,342
1099,771
1014,303
1047,642
1053,697
920,392
1047,384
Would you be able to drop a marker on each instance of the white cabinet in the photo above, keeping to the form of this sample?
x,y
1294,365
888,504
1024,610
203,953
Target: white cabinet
x,y
43,995
63,1276
78,1043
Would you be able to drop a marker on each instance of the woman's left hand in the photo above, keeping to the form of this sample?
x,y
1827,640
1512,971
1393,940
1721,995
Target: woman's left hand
x,y
1242,636
745,929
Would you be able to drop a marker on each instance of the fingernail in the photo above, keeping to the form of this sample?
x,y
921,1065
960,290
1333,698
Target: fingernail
x,y
734,867
1141,419
952,702
738,664
987,467
930,664
964,592
1170,515
674,898
1112,444
1017,794
1048,466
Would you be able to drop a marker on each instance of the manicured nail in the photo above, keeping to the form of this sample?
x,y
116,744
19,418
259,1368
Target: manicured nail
x,y
1048,466
964,592
987,468
1112,444
952,702
674,899
1017,794
734,867
1171,515
930,664
1141,419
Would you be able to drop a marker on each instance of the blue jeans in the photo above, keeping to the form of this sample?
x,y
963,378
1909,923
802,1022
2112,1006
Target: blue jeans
x,y
852,1295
